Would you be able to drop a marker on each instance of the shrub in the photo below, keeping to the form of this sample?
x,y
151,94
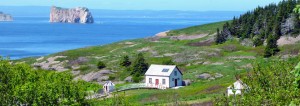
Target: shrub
x,y
125,61
269,83
139,65
137,79
101,65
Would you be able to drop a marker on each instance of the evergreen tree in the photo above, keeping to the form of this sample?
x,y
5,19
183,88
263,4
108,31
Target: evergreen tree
x,y
271,48
125,61
101,65
139,65
219,38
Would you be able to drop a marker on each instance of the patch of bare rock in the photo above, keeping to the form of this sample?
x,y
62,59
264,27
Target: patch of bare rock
x,y
98,76
241,57
286,40
51,64
189,37
207,76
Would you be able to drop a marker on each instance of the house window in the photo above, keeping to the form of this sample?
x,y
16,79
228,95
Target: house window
x,y
150,80
175,73
164,81
173,79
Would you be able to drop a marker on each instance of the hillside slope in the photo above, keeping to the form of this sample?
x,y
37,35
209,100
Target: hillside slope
x,y
193,56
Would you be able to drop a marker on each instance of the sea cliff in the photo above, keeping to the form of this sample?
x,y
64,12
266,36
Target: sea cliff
x,y
74,15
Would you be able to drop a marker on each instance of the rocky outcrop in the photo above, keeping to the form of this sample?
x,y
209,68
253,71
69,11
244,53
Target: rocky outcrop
x,y
5,17
75,15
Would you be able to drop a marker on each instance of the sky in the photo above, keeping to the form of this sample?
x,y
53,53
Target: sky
x,y
184,5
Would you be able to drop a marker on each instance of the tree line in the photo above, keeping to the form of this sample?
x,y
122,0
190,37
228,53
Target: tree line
x,y
269,83
262,24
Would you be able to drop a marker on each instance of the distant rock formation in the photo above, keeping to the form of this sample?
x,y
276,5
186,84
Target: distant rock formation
x,y
75,15
5,17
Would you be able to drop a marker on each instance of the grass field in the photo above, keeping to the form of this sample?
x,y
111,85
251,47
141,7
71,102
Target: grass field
x,y
229,59
201,29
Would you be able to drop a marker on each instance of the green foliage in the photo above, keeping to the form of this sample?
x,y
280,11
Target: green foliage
x,y
297,9
263,21
168,62
101,65
125,62
137,79
219,37
22,85
269,83
271,48
118,99
139,65
296,73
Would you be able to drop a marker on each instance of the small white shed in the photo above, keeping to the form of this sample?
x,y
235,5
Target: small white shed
x,y
163,76
108,87
237,88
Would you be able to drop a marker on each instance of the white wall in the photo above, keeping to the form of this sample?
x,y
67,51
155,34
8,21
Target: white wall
x,y
169,82
230,91
160,81
179,77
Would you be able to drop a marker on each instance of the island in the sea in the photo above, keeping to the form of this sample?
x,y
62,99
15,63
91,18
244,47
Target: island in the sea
x,y
5,17
74,15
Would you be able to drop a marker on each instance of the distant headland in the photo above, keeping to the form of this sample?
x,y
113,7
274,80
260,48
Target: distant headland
x,y
5,17
74,15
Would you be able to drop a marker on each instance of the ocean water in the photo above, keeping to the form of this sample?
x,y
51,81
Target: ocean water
x,y
35,36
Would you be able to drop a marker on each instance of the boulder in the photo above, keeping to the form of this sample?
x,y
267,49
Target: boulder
x,y
103,78
204,76
75,15
218,75
128,79
186,82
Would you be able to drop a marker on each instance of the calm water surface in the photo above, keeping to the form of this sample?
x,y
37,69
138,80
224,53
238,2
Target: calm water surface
x,y
35,36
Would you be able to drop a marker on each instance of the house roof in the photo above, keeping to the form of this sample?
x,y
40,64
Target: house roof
x,y
161,70
108,83
238,85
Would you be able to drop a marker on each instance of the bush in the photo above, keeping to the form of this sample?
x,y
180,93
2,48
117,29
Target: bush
x,y
125,61
139,65
22,85
137,79
111,77
101,65
269,83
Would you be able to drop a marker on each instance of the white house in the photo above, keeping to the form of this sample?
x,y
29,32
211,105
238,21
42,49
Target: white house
x,y
163,76
238,87
108,87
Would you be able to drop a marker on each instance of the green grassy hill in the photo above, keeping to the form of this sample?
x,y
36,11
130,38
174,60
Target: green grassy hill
x,y
193,57
200,29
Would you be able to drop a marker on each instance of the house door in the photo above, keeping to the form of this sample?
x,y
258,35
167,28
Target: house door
x,y
175,82
156,81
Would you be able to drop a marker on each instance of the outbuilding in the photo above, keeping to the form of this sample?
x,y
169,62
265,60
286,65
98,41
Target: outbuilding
x,y
163,76
236,88
108,87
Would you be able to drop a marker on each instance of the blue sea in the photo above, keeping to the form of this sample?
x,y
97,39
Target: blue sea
x,y
35,36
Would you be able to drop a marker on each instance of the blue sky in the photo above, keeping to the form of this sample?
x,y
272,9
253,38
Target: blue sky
x,y
195,5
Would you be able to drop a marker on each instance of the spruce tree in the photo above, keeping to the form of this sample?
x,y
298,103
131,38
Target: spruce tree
x,y
271,48
125,61
139,65
219,38
101,65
